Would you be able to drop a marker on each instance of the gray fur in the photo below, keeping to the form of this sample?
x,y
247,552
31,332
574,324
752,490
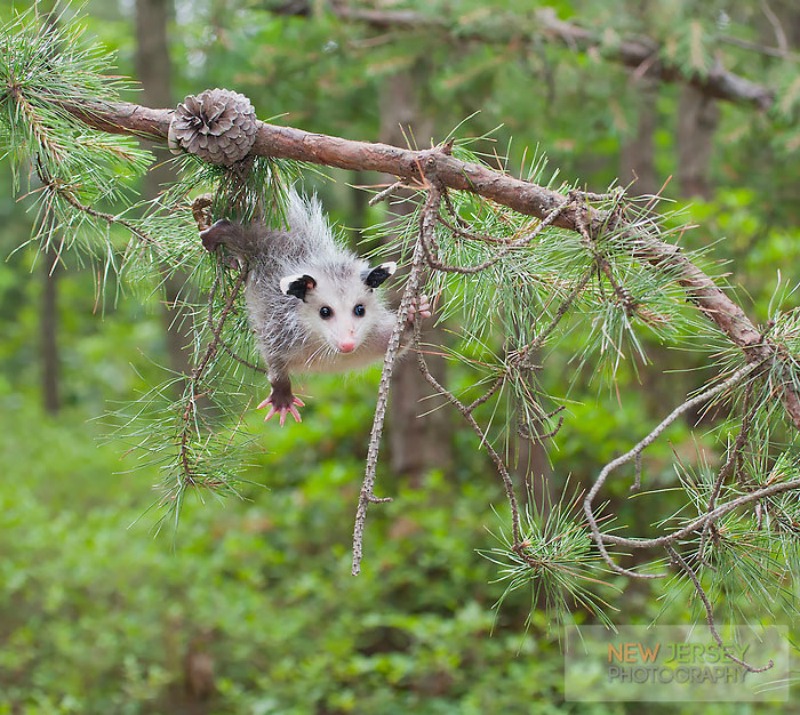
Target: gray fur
x,y
291,335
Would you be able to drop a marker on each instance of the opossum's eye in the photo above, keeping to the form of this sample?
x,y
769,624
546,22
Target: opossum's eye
x,y
325,312
359,310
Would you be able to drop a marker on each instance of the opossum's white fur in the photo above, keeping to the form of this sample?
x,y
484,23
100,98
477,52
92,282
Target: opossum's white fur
x,y
290,332
293,273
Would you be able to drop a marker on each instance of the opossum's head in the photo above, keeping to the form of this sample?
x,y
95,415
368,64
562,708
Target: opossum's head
x,y
339,302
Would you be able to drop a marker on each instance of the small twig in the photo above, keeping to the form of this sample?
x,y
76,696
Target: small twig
x,y
777,27
61,189
637,482
600,539
623,294
679,561
386,192
466,411
486,396
615,195
232,353
469,235
729,468
508,484
562,310
436,264
367,496
524,431
761,49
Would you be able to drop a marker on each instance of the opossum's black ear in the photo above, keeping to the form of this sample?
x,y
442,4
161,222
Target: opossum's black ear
x,y
373,277
222,233
298,285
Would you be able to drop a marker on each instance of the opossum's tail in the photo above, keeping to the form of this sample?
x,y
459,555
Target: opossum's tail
x,y
305,233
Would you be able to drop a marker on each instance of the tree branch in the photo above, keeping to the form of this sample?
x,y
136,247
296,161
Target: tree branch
x,y
639,53
412,166
642,54
410,294
632,454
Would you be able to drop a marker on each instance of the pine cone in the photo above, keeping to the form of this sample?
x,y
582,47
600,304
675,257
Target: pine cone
x,y
217,125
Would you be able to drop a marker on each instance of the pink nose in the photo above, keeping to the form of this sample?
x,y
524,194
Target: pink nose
x,y
347,346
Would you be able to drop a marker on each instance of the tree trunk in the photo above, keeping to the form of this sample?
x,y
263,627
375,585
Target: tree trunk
x,y
778,24
419,440
51,398
48,325
637,156
698,117
154,72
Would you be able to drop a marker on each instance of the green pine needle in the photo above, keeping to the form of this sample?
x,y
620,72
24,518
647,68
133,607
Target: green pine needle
x,y
558,562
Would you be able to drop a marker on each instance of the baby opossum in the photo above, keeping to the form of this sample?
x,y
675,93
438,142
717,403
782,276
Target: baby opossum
x,y
311,301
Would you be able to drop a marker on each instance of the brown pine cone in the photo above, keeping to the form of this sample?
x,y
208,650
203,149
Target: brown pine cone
x,y
217,125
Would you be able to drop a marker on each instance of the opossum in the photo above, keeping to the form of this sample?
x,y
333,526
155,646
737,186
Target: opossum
x,y
311,301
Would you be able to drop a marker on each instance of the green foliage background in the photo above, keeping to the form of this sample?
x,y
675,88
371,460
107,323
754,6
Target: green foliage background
x,y
97,614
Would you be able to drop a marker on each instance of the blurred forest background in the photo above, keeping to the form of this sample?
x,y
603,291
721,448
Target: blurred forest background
x,y
249,606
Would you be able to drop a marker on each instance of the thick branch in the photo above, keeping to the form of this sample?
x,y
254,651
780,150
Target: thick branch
x,y
123,118
412,166
639,53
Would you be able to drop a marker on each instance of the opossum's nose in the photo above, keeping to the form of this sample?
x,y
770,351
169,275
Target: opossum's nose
x,y
347,345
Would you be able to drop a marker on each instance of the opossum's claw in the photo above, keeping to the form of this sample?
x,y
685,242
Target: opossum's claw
x,y
425,308
282,409
421,307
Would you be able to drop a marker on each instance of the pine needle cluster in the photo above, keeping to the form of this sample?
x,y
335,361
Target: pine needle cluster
x,y
518,292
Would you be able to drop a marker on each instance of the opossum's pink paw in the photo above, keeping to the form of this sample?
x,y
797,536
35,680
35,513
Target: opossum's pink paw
x,y
282,409
422,306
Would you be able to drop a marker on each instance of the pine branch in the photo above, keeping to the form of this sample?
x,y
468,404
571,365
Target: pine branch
x,y
412,166
639,53
642,55
588,505
625,252
410,294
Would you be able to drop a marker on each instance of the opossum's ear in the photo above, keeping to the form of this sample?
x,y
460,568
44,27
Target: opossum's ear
x,y
298,285
222,233
373,277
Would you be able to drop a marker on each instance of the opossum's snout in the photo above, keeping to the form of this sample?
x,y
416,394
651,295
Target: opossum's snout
x,y
344,336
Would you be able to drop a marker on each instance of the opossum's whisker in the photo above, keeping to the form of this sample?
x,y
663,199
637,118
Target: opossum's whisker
x,y
317,353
